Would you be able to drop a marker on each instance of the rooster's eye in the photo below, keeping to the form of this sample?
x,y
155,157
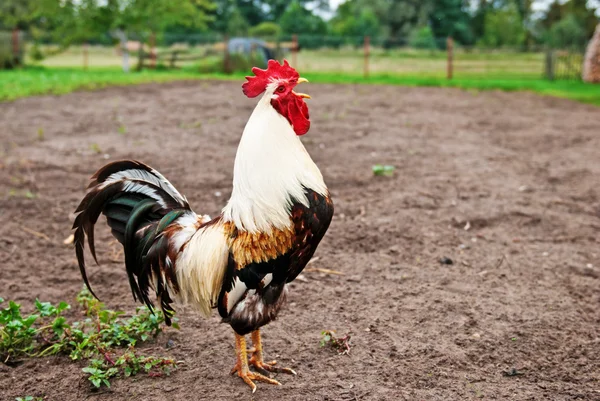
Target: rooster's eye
x,y
281,89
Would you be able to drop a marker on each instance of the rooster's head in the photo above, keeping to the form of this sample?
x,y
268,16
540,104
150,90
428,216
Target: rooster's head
x,y
278,82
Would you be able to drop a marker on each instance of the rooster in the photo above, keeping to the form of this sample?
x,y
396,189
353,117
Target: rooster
x,y
241,261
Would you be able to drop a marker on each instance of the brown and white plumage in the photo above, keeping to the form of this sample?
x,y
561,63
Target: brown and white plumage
x,y
240,261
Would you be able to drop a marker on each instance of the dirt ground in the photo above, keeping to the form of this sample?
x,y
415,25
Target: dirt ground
x,y
506,185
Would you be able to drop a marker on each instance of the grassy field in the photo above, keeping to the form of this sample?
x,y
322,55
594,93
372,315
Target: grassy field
x,y
37,81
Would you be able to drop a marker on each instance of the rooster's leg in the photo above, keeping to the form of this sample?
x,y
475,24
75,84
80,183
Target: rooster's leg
x,y
241,365
257,357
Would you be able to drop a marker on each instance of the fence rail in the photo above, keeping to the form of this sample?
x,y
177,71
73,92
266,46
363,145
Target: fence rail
x,y
367,56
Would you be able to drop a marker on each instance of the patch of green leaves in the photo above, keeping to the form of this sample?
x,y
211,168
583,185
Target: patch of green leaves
x,y
383,170
98,339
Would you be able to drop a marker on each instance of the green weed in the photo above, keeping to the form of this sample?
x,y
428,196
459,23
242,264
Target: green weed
x,y
94,147
341,345
98,339
383,170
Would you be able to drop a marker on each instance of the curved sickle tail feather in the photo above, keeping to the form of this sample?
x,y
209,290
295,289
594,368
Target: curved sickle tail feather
x,y
142,209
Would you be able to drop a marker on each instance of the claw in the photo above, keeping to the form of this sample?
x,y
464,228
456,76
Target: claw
x,y
248,378
241,366
268,366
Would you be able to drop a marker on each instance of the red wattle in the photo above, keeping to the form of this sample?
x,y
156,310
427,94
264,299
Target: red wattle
x,y
295,110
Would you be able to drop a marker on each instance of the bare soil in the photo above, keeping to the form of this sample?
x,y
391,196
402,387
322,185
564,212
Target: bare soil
x,y
506,185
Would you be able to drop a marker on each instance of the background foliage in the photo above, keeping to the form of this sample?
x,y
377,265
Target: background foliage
x,y
484,22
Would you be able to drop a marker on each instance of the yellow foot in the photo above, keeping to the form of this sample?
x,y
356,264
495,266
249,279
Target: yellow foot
x,y
248,377
241,366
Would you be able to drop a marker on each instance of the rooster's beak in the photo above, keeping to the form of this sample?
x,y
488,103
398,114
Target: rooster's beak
x,y
303,95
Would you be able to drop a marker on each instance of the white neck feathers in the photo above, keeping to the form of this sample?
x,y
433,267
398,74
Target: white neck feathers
x,y
272,169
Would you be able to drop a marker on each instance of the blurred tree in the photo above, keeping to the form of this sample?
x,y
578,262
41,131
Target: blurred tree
x,y
356,23
143,16
400,17
585,16
17,14
451,18
553,15
395,19
90,22
567,33
42,19
524,8
266,29
578,12
298,20
503,27
251,10
422,38
236,23
276,8
478,20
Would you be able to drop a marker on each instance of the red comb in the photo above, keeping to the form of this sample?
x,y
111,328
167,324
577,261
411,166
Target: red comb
x,y
258,83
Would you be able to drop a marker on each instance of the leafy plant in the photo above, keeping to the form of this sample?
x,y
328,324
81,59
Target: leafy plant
x,y
96,339
98,374
341,345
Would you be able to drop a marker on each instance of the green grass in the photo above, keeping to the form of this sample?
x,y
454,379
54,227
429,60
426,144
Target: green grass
x,y
37,81
16,84
574,90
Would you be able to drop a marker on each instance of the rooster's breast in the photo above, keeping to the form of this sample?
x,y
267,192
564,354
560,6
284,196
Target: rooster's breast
x,y
261,264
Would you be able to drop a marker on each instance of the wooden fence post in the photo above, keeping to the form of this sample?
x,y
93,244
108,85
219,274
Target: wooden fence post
x,y
295,51
152,50
550,64
141,56
450,51
15,46
85,55
173,62
367,53
226,59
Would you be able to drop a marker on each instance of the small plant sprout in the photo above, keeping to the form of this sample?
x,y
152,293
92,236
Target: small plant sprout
x,y
341,345
40,134
383,170
122,129
94,147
